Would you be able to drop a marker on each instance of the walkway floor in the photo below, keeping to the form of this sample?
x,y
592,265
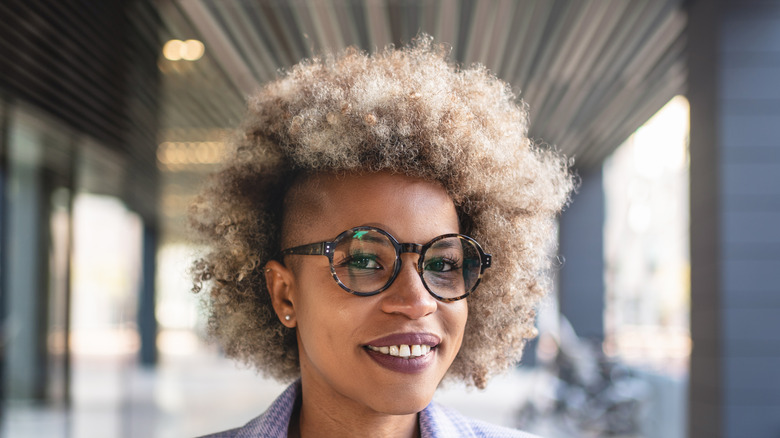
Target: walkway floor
x,y
188,396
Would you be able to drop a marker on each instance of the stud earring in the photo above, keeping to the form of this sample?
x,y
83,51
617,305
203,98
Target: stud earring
x,y
287,317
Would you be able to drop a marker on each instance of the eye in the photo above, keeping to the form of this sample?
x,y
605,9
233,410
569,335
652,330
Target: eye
x,y
441,264
361,261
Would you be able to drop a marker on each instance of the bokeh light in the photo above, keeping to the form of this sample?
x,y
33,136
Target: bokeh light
x,y
190,50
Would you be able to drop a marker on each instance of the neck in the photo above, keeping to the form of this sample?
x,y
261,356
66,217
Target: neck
x,y
325,416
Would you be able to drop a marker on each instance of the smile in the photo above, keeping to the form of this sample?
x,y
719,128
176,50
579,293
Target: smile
x,y
404,351
408,353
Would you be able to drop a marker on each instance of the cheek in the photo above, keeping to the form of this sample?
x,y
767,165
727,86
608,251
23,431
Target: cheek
x,y
461,317
324,319
455,317
320,333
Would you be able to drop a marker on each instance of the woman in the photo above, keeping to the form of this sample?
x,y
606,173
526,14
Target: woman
x,y
383,223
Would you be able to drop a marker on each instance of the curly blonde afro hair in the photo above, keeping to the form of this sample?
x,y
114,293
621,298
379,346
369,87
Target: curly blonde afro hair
x,y
407,111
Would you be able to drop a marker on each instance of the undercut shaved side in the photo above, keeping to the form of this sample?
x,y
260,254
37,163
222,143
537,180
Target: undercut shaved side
x,y
407,111
302,205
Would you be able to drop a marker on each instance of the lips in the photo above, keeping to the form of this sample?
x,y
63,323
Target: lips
x,y
404,352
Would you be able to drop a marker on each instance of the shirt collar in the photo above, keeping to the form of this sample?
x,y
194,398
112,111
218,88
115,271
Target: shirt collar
x,y
274,422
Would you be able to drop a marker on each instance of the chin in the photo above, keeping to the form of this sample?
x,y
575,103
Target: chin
x,y
402,402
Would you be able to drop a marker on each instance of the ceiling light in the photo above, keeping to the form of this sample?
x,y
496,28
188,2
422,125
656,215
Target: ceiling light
x,y
172,49
190,50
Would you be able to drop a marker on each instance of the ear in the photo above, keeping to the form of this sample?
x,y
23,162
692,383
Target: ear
x,y
281,282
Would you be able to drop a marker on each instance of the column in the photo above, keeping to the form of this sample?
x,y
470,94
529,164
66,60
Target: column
x,y
581,278
734,91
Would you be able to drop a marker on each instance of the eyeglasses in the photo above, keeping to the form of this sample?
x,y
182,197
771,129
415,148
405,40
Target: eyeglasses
x,y
366,260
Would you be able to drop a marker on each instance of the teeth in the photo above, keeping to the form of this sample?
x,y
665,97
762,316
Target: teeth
x,y
403,350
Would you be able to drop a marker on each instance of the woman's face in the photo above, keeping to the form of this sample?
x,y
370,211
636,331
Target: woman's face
x,y
339,333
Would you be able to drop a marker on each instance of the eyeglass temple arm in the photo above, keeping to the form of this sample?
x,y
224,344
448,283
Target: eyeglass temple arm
x,y
319,248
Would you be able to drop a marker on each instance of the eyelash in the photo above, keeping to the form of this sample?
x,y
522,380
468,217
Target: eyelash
x,y
357,255
453,262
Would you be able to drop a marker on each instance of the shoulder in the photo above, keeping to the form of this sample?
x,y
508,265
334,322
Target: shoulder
x,y
272,423
441,421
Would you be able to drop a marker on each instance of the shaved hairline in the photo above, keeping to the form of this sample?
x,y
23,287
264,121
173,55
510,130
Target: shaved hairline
x,y
301,204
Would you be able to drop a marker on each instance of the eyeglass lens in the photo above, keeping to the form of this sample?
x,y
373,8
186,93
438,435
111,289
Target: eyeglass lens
x,y
364,261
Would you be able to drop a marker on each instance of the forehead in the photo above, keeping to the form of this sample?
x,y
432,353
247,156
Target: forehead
x,y
412,209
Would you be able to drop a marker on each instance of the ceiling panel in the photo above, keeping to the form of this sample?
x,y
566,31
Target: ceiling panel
x,y
591,71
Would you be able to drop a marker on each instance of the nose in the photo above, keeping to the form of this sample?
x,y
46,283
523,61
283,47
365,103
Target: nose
x,y
407,295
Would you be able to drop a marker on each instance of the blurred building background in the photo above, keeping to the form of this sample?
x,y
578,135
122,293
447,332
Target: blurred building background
x,y
113,112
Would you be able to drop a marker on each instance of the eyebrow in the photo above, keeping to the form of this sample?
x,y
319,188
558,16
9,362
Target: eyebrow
x,y
448,243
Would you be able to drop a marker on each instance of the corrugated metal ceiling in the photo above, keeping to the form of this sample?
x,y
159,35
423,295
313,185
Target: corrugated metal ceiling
x,y
591,71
